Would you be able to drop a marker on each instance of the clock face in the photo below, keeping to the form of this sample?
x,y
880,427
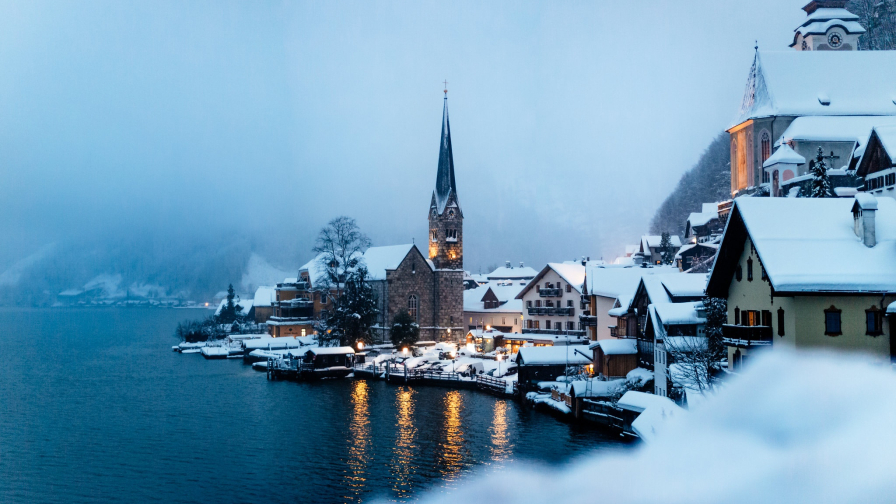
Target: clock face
x,y
450,214
835,40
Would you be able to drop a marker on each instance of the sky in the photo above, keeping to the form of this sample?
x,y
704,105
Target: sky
x,y
174,121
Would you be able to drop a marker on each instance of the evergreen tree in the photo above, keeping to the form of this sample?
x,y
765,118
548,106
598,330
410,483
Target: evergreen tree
x,y
228,311
353,314
405,330
821,184
666,249
716,316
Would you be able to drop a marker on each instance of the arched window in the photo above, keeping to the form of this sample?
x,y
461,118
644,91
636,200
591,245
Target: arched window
x,y
765,143
412,306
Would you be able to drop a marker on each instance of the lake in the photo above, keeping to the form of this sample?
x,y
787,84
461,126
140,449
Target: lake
x,y
95,407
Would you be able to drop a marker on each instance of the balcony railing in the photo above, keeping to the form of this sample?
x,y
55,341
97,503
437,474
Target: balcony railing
x,y
550,292
746,336
536,310
588,320
554,331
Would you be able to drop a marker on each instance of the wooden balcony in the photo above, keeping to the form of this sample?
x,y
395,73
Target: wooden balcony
x,y
550,292
588,320
746,336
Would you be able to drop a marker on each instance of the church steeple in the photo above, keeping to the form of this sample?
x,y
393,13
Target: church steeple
x,y
446,242
445,185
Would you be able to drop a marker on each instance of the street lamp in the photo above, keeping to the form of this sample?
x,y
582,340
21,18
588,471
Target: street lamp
x,y
499,364
360,345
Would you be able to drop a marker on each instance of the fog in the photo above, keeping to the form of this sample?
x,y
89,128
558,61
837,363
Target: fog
x,y
171,142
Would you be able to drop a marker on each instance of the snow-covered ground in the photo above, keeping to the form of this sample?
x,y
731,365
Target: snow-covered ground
x,y
794,427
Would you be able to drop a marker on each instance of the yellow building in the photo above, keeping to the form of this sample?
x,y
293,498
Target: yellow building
x,y
808,273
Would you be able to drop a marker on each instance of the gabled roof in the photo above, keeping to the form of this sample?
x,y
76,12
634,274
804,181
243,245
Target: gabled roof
x,y
671,287
794,83
522,272
506,294
553,355
814,250
264,296
378,260
879,152
784,155
654,241
572,273
613,281
316,270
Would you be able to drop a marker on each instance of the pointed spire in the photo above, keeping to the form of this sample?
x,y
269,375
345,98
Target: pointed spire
x,y
445,177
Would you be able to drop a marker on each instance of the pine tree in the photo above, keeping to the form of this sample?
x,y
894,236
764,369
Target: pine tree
x,y
354,313
405,330
228,311
666,249
821,184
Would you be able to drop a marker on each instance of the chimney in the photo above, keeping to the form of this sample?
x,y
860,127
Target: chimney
x,y
507,265
863,213
521,264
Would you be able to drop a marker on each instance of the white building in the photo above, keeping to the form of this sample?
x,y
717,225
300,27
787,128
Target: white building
x,y
552,301
495,306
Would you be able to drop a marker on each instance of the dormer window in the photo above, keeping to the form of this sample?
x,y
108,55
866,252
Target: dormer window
x,y
451,235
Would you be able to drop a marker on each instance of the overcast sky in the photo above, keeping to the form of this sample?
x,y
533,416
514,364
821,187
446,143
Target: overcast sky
x,y
571,121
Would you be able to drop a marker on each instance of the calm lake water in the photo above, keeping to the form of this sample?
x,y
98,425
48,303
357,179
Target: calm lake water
x,y
95,407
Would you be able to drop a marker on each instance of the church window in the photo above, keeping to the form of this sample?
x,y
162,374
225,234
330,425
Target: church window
x,y
434,236
412,306
765,144
451,234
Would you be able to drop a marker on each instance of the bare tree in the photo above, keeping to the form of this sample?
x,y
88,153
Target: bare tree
x,y
340,245
695,362
878,17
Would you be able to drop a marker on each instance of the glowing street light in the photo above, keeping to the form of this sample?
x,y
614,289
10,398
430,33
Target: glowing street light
x,y
360,345
404,350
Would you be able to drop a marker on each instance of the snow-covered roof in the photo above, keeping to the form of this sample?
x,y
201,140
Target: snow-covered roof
x,y
887,136
380,259
828,13
518,273
613,280
784,155
834,128
553,355
654,241
616,346
816,248
264,295
506,293
273,343
317,272
702,218
679,313
332,350
640,401
790,83
822,27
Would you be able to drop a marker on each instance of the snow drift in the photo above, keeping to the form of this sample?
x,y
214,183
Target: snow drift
x,y
796,427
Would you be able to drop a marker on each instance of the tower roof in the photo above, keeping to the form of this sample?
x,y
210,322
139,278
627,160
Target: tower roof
x,y
445,178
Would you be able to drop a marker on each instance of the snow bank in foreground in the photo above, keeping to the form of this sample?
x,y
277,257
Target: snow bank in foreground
x,y
796,427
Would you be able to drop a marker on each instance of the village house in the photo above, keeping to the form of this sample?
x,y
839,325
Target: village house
x,y
821,278
792,103
537,364
876,163
264,296
679,327
520,275
553,299
495,306
650,251
603,286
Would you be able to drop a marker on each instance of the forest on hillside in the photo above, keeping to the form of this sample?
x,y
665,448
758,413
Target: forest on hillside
x,y
708,181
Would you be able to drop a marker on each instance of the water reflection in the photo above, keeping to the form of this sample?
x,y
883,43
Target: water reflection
x,y
359,442
451,448
501,446
403,454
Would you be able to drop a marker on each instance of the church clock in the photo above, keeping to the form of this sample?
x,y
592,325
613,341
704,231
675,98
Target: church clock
x,y
451,214
835,40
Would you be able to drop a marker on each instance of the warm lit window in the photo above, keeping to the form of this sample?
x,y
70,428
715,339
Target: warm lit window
x,y
765,143
412,306
434,236
832,321
303,332
873,322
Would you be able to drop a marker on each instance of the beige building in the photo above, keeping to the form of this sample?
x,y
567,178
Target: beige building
x,y
552,301
821,278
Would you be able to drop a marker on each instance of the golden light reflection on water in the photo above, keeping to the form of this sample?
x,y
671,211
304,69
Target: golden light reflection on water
x,y
359,442
501,446
451,449
403,455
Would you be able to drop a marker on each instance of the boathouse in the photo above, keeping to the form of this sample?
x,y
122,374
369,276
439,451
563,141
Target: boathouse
x,y
538,364
330,358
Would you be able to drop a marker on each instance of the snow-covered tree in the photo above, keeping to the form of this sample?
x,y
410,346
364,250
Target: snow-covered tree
x,y
340,244
821,183
696,362
878,17
666,250
405,330
354,312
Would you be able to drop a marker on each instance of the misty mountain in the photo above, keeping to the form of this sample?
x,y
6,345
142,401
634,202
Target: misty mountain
x,y
707,182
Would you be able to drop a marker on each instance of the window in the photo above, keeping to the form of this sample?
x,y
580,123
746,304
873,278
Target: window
x,y
529,304
780,321
765,144
736,316
569,303
471,320
570,326
832,321
528,324
766,318
739,273
750,269
303,332
537,324
558,326
451,235
762,272
568,288
538,303
323,298
547,324
514,320
412,306
873,322
434,236
503,321
750,317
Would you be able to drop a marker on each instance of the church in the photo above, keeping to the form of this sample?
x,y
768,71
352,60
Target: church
x,y
823,93
429,287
